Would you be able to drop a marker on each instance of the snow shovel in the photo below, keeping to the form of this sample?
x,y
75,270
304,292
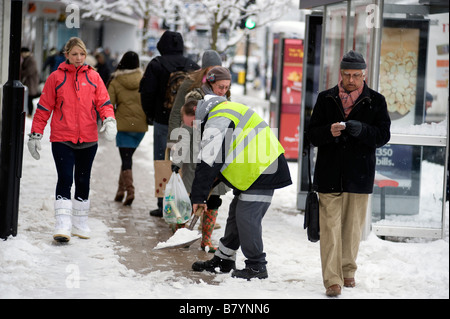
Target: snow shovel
x,y
183,237
199,211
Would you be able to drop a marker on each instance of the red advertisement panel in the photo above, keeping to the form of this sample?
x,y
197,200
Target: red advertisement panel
x,y
291,96
289,134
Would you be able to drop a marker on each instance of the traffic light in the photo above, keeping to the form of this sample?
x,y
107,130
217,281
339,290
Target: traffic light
x,y
250,23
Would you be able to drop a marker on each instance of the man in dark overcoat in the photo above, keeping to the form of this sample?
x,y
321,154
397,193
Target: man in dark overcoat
x,y
348,123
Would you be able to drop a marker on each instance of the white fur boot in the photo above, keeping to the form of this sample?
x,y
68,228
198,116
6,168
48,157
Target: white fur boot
x,y
63,217
80,214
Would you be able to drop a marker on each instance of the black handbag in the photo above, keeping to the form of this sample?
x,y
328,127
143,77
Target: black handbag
x,y
311,222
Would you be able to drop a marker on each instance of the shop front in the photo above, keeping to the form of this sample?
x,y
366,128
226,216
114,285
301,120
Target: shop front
x,y
50,24
406,48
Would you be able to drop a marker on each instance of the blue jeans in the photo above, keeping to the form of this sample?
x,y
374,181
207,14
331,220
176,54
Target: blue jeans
x,y
70,161
160,132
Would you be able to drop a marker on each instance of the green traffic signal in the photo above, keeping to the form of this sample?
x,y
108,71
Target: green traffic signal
x,y
250,23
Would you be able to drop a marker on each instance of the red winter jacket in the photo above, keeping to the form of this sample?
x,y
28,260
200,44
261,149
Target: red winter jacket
x,y
72,95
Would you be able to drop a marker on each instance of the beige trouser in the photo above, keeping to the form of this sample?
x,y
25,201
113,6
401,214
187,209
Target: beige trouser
x,y
342,217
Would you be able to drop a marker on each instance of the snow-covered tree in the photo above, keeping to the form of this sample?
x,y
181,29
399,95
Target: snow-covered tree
x,y
216,15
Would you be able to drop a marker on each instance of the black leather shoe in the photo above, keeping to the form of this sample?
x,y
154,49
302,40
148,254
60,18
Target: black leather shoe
x,y
156,213
224,265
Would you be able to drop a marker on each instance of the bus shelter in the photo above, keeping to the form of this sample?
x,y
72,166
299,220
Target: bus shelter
x,y
406,49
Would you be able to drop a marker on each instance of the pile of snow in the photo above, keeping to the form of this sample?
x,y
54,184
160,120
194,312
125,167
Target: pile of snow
x,y
181,236
432,129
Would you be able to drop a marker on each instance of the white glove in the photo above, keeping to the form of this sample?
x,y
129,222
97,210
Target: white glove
x,y
34,144
110,128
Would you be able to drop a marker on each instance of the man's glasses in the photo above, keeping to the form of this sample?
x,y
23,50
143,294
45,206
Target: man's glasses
x,y
355,76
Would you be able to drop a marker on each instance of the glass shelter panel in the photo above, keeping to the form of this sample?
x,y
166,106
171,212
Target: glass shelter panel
x,y
334,43
364,16
311,82
410,193
399,209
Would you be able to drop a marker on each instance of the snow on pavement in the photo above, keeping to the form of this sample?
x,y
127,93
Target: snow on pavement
x,y
33,266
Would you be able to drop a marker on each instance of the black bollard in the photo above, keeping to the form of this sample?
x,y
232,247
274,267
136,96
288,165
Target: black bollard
x,y
12,130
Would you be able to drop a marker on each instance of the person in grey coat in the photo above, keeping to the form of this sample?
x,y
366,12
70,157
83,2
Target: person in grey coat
x,y
216,78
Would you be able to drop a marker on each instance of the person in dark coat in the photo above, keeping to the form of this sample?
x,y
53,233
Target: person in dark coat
x,y
153,90
103,68
348,123
53,60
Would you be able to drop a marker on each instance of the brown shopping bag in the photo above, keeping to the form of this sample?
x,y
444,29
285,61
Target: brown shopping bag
x,y
163,171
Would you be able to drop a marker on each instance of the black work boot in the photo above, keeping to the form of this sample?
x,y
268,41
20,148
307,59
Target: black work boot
x,y
249,272
225,265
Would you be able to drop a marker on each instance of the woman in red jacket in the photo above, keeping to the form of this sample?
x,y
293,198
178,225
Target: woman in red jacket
x,y
72,96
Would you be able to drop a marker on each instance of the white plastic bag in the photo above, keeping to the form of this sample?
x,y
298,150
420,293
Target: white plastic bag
x,y
176,204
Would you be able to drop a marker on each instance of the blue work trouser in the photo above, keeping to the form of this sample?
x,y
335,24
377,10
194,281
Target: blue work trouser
x,y
244,226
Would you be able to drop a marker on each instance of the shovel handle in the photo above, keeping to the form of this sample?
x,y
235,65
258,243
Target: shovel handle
x,y
195,218
198,213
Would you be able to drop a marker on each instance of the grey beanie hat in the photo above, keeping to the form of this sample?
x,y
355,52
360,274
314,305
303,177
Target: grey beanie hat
x,y
211,58
218,73
353,60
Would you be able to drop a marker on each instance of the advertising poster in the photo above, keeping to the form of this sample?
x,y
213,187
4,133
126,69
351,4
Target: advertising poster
x,y
402,82
398,72
291,92
398,81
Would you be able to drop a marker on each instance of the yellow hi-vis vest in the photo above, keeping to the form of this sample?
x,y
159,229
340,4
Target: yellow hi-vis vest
x,y
253,146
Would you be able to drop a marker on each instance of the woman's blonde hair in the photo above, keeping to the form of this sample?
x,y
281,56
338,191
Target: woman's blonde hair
x,y
74,41
197,77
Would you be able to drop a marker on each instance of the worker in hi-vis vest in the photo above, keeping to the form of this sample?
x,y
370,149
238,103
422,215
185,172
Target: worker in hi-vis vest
x,y
238,148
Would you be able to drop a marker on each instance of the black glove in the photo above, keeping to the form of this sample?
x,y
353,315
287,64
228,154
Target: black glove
x,y
353,127
175,168
214,202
